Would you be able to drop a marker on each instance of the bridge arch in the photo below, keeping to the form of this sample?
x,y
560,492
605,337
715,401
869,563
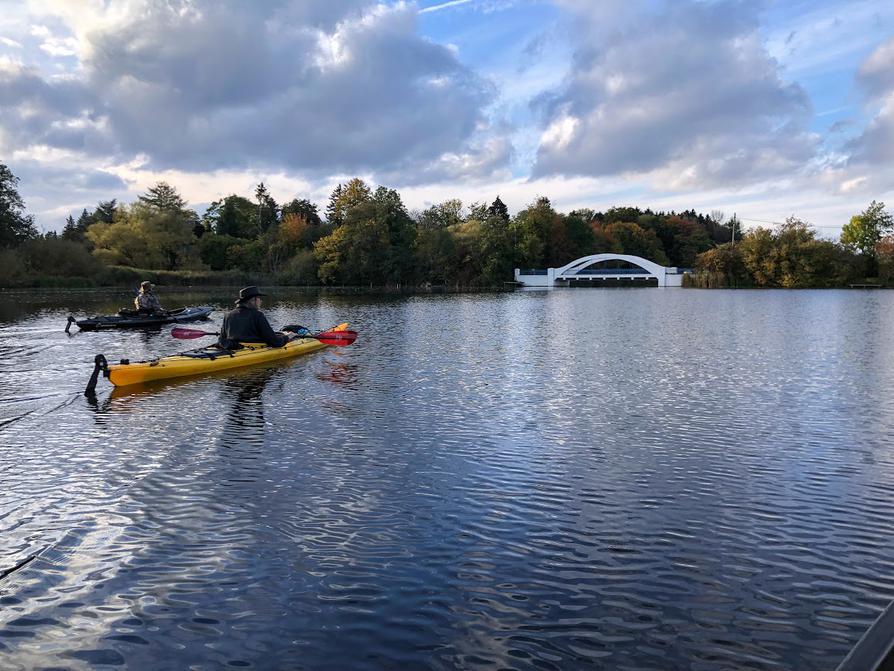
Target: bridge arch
x,y
571,269
667,277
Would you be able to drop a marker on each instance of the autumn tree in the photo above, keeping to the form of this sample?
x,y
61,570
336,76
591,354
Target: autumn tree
x,y
304,208
344,197
884,252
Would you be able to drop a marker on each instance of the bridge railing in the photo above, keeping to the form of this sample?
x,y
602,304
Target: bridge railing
x,y
609,271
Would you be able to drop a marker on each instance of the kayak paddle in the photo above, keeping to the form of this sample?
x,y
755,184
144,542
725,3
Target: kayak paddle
x,y
337,338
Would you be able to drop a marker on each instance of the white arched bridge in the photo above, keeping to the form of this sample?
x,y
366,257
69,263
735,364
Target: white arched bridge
x,y
590,269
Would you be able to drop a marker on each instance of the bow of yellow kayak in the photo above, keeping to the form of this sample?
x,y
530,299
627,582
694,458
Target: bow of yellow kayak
x,y
203,360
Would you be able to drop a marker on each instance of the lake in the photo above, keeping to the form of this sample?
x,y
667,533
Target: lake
x,y
591,478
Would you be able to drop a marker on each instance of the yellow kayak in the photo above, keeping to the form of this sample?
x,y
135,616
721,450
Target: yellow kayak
x,y
203,360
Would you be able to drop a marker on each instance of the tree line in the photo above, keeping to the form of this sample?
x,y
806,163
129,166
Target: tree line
x,y
367,236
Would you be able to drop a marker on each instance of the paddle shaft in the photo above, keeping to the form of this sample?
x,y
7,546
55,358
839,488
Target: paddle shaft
x,y
337,338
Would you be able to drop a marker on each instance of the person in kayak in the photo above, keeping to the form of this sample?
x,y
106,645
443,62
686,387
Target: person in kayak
x,y
248,324
146,301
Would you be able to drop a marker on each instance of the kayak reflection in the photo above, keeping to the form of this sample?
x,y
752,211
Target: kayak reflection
x,y
340,373
245,420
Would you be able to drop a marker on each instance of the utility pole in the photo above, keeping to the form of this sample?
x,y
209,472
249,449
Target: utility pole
x,y
258,194
733,226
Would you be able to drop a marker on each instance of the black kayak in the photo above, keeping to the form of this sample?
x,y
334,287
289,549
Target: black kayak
x,y
132,319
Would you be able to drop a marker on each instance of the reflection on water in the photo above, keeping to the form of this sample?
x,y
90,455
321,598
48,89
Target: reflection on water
x,y
637,479
339,372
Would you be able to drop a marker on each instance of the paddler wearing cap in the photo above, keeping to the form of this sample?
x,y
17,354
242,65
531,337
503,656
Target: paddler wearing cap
x,y
248,324
146,301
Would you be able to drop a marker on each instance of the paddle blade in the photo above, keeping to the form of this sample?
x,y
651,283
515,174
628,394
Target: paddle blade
x,y
337,338
189,334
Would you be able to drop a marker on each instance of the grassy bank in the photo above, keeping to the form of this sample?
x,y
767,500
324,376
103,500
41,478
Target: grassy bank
x,y
123,277
714,280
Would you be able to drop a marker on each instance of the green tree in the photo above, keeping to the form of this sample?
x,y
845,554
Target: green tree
x,y
234,216
70,230
146,236
723,266
532,230
477,212
105,211
56,257
300,269
579,236
682,239
630,238
469,244
863,232
214,250
373,244
330,254
163,197
621,214
793,257
884,252
121,243
498,209
434,255
15,225
247,255
293,234
268,210
390,210
495,245
304,208
443,215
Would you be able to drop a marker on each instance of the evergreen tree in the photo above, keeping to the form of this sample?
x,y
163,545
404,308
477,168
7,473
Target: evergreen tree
x,y
105,211
163,197
268,209
70,230
333,213
498,209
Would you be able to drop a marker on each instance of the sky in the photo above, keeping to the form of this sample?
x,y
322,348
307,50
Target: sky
x,y
761,109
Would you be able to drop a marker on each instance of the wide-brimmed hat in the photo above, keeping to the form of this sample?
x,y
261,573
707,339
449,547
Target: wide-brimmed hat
x,y
248,292
146,284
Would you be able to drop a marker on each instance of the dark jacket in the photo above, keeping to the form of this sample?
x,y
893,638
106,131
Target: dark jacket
x,y
245,324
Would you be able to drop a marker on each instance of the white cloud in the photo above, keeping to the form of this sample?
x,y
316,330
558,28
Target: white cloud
x,y
66,46
560,132
699,102
876,74
444,5
869,163
308,86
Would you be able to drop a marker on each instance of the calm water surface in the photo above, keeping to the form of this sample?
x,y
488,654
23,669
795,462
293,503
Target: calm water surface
x,y
608,479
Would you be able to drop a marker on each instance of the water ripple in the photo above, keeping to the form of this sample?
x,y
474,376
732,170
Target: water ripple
x,y
621,480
